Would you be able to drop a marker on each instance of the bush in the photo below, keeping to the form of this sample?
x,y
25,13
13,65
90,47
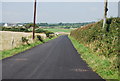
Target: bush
x,y
92,36
101,41
39,30
15,29
51,36
28,25
25,40
40,38
48,33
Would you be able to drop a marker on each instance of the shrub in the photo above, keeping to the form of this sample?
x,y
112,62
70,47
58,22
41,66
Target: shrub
x,y
15,29
51,36
100,41
40,38
28,25
39,30
48,33
25,40
92,34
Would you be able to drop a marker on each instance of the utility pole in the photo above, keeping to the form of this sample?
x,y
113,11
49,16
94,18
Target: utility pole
x,y
34,20
105,12
119,9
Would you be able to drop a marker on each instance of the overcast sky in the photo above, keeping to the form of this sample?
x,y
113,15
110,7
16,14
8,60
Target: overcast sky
x,y
54,12
58,0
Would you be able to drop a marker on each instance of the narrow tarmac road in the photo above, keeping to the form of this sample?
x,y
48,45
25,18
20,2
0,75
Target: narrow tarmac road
x,y
56,59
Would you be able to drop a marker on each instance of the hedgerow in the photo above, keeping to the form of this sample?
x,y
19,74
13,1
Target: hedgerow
x,y
101,41
104,41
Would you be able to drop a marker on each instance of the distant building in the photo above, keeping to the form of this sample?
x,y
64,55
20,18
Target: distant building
x,y
20,25
9,24
5,25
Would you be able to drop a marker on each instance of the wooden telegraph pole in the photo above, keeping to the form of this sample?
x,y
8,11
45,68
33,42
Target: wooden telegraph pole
x,y
105,13
34,20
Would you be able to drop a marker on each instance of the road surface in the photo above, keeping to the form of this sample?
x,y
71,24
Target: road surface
x,y
56,59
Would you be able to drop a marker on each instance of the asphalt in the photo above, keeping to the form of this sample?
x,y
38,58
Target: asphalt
x,y
56,59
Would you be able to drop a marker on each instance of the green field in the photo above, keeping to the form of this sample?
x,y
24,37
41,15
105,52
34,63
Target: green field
x,y
58,30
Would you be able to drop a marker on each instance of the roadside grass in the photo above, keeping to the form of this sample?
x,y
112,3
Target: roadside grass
x,y
21,48
100,64
58,30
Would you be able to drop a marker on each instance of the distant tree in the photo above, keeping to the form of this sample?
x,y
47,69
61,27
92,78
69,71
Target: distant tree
x,y
60,23
30,25
43,24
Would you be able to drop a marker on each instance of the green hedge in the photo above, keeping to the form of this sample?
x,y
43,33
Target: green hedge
x,y
99,64
21,29
15,29
101,41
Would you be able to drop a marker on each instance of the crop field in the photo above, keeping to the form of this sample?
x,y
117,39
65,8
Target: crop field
x,y
59,30
11,40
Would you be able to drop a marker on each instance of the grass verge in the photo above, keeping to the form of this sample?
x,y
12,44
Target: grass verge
x,y
99,64
14,51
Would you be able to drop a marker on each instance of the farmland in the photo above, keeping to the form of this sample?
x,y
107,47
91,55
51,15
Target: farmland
x,y
11,40
58,30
